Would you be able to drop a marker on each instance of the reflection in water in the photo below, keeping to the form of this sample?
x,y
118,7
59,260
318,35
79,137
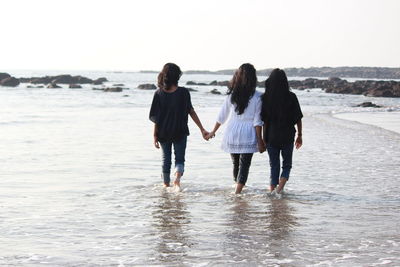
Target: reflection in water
x,y
255,225
171,222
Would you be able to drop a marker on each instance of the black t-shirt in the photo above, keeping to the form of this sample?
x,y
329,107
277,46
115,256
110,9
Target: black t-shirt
x,y
170,112
280,131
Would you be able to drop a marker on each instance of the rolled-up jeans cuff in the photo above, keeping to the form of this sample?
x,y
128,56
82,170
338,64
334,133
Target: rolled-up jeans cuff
x,y
179,168
166,177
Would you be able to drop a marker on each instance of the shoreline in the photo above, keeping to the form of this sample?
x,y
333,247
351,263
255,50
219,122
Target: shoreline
x,y
386,120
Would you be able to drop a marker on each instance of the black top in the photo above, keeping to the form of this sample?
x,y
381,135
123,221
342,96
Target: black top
x,y
280,131
170,112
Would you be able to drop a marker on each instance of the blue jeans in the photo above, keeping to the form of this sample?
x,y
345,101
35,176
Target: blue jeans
x,y
274,161
179,151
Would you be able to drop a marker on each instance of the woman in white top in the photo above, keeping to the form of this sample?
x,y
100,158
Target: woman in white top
x,y
242,135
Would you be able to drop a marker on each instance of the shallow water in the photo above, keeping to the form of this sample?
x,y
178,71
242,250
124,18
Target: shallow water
x,y
80,186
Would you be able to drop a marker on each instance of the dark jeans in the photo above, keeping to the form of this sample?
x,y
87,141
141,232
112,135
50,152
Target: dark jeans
x,y
179,151
241,166
274,161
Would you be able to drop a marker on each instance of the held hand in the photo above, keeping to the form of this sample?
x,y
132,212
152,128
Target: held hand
x,y
156,143
261,146
205,133
210,135
299,142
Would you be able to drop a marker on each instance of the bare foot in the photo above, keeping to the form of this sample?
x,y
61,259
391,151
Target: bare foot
x,y
239,188
271,188
166,185
177,181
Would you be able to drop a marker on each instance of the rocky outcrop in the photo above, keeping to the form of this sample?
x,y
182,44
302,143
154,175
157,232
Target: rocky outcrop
x,y
147,86
368,105
53,86
9,81
338,86
195,83
4,75
113,89
99,81
191,89
75,86
215,92
63,79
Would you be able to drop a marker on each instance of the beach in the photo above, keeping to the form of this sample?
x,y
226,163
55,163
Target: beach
x,y
81,184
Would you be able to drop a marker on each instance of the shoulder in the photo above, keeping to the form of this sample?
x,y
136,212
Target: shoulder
x,y
183,90
292,95
293,99
157,92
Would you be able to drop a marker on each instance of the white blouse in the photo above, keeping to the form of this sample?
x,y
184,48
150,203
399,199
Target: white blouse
x,y
240,133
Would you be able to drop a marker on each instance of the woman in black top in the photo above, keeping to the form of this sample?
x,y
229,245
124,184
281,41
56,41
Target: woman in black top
x,y
169,112
280,112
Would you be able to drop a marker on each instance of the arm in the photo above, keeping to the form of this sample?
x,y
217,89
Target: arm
x,y
299,140
216,127
156,144
222,117
196,120
258,124
261,145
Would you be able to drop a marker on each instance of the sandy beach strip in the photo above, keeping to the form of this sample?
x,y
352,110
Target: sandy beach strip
x,y
386,120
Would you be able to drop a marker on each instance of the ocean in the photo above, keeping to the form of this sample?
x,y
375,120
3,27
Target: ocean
x,y
81,186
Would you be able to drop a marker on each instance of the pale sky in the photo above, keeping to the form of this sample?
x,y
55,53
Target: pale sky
x,y
130,35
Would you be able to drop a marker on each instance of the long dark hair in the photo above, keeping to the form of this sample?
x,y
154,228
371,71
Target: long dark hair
x,y
276,96
242,87
169,76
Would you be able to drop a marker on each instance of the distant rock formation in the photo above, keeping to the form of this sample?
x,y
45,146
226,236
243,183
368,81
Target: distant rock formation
x,y
75,86
63,79
53,86
147,86
4,75
338,86
368,105
9,81
113,89
99,81
342,72
215,92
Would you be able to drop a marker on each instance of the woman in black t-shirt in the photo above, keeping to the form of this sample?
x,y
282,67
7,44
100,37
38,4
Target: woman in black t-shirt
x,y
169,111
280,112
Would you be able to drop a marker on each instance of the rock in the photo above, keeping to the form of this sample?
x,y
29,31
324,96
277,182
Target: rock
x,y
194,83
75,86
113,89
118,84
215,92
125,95
53,86
223,83
192,90
99,81
4,75
31,86
98,89
338,86
10,81
368,105
62,79
147,86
